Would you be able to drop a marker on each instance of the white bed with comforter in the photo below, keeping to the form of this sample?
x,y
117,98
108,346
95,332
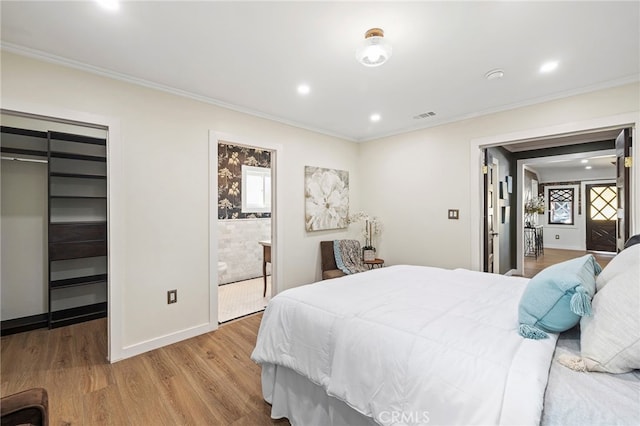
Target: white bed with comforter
x,y
403,345
410,345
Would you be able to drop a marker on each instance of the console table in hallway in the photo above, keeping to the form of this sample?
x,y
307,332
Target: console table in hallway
x,y
533,241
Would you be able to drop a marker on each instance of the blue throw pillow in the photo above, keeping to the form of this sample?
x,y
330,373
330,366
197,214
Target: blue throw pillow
x,y
557,297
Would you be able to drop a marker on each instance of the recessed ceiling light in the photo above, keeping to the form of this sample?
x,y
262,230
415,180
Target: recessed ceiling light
x,y
375,117
110,5
549,66
588,167
304,89
494,74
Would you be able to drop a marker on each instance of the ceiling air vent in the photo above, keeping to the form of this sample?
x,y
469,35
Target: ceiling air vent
x,y
424,115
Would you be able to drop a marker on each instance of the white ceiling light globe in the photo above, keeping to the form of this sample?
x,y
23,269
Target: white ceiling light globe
x,y
374,49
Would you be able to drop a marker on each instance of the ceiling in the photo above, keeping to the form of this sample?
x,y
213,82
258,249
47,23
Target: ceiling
x,y
599,164
251,56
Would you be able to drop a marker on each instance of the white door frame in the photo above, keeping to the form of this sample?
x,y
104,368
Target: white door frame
x,y
115,207
276,219
495,219
475,161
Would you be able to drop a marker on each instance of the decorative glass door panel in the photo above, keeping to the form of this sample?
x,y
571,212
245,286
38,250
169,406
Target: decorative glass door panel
x,y
602,214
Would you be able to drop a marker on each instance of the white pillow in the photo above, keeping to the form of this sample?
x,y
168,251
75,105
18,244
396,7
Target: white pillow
x,y
610,337
624,260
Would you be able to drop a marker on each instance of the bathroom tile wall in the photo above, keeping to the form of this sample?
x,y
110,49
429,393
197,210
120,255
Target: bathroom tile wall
x,y
238,247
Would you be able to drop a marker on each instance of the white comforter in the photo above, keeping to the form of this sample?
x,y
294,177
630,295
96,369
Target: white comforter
x,y
413,345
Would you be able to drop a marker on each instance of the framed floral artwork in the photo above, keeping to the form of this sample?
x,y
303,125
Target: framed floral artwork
x,y
326,198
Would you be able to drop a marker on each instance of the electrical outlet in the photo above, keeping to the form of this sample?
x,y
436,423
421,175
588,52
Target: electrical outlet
x,y
172,296
557,237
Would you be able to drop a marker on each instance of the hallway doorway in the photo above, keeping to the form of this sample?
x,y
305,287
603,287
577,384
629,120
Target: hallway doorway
x,y
244,229
259,227
546,137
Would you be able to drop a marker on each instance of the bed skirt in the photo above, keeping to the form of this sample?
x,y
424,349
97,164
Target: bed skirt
x,y
303,402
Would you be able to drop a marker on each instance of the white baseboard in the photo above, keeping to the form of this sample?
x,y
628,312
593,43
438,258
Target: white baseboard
x,y
563,247
149,345
510,272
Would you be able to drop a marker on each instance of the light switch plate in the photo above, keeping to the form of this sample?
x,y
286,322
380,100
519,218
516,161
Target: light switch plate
x,y
172,296
454,214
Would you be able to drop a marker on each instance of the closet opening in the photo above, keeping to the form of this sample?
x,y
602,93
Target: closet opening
x,y
54,223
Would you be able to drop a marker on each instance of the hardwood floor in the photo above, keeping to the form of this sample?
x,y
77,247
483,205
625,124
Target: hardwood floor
x,y
206,380
552,256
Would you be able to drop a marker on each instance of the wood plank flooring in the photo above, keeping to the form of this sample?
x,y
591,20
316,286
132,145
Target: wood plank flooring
x,y
552,256
206,380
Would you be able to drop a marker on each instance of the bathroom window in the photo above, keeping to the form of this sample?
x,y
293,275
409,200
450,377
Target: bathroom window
x,y
256,189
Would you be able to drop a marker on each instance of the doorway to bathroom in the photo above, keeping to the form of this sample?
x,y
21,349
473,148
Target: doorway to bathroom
x,y
244,230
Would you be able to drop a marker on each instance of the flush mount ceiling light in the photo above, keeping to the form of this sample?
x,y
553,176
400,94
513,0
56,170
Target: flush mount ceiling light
x,y
373,50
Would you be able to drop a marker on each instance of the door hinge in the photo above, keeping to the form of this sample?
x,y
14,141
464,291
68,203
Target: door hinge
x,y
485,170
628,162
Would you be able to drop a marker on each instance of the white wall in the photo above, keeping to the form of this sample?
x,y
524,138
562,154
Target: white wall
x,y
413,178
23,282
164,190
527,185
571,237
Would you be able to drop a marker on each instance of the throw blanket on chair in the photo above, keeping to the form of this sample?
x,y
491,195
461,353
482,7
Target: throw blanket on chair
x,y
348,256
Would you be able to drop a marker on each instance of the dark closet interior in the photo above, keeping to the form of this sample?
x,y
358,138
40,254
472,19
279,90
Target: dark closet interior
x,y
76,223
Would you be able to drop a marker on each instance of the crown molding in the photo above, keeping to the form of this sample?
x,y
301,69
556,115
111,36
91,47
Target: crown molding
x,y
630,79
59,60
48,57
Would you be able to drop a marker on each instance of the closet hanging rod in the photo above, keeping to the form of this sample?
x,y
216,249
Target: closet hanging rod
x,y
26,160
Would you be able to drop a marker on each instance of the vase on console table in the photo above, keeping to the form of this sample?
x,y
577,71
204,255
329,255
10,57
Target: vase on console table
x,y
530,219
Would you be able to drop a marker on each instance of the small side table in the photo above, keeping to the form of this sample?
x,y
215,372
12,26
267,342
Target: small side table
x,y
375,263
266,258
